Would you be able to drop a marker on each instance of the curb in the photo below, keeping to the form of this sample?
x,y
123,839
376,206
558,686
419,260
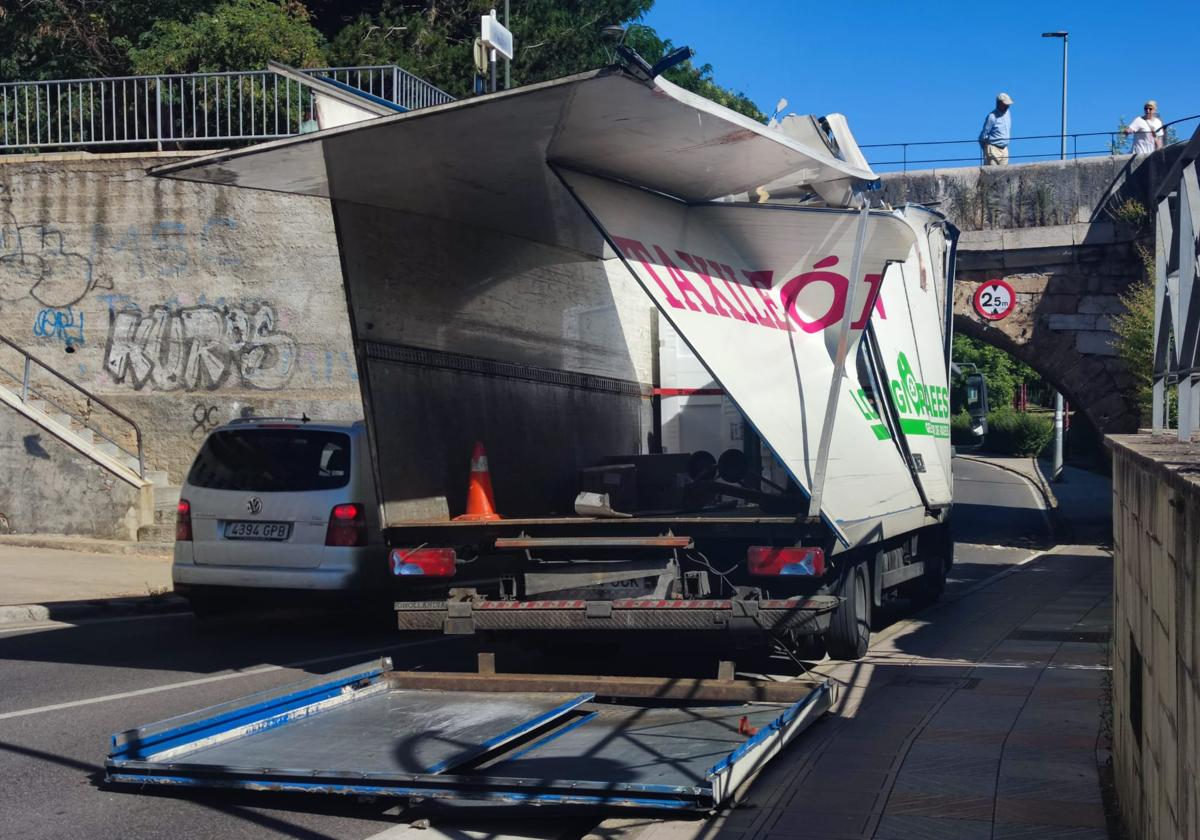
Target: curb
x,y
89,546
1036,478
105,608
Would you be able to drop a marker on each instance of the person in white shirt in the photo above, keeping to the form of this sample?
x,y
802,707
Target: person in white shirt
x,y
1147,130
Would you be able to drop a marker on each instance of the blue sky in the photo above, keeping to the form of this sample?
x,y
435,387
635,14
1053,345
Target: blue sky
x,y
908,71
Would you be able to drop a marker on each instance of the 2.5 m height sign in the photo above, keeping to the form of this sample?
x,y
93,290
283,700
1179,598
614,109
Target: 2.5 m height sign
x,y
995,299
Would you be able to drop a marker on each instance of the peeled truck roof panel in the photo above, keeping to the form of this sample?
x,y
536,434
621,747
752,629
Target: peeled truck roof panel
x,y
483,160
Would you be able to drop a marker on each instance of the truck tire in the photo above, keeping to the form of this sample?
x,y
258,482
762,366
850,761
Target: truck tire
x,y
849,633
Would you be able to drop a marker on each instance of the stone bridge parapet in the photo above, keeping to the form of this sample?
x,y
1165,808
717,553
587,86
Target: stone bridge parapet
x,y
1070,240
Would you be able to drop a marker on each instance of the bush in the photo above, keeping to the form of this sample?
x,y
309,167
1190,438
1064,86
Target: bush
x,y
1018,433
960,430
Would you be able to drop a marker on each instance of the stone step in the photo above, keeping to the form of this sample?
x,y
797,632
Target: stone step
x,y
38,405
86,435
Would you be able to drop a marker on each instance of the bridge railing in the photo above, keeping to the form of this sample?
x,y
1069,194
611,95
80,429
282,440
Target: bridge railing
x,y
1028,148
182,110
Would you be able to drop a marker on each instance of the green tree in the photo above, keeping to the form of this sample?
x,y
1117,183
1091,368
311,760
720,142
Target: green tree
x,y
1003,373
554,38
235,34
65,39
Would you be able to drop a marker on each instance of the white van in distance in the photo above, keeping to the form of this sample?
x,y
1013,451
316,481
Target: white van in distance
x,y
272,507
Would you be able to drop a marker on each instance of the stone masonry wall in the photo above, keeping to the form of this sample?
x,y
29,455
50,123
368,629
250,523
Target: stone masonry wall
x,y
1156,635
184,305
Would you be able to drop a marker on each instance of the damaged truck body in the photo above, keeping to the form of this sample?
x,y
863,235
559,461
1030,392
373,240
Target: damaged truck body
x,y
514,265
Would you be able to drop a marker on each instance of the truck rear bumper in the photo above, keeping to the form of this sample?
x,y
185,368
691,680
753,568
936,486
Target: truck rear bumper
x,y
802,615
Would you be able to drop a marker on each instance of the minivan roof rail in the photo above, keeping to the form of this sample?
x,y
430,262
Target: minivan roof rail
x,y
303,418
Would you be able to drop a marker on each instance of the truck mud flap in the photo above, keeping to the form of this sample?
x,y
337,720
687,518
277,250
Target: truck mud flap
x,y
803,615
362,732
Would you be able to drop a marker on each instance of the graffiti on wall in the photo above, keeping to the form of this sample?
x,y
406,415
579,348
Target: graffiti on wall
x,y
65,325
205,418
35,261
199,347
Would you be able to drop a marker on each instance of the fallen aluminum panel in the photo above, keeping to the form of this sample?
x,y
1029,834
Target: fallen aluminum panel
x,y
356,733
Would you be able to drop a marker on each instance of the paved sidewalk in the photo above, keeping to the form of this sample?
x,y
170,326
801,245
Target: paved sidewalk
x,y
977,719
40,583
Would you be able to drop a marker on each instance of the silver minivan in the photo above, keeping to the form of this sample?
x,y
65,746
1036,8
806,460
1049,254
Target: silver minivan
x,y
272,507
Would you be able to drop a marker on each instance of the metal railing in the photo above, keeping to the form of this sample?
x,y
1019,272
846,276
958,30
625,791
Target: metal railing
x,y
25,379
183,110
1033,147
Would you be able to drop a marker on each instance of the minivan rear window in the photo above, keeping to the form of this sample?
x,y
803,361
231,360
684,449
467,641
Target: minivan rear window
x,y
272,461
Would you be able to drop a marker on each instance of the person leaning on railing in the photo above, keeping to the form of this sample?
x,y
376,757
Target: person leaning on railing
x,y
997,130
1147,130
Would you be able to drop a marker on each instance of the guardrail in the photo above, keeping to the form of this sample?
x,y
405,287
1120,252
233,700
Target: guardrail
x,y
29,360
182,110
1030,147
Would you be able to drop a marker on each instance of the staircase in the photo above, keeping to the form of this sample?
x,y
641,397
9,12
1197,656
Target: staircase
x,y
115,444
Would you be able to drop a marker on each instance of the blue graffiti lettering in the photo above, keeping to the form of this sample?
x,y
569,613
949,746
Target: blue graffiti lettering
x,y
59,323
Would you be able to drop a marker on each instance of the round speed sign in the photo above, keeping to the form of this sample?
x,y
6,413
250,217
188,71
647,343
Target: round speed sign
x,y
994,299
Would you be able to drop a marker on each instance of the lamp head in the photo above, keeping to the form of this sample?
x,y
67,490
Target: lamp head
x,y
1059,34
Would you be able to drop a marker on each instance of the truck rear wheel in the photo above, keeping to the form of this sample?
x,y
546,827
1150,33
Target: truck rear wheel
x,y
849,633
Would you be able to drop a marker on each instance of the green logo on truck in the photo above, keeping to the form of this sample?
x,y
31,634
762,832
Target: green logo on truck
x,y
924,409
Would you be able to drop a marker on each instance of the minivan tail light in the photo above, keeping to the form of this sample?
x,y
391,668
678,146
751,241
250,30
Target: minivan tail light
x,y
183,521
426,562
768,560
347,526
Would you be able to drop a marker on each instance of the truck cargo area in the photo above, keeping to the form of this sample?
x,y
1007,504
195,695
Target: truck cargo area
x,y
597,742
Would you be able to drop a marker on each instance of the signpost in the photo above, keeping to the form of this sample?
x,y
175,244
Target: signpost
x,y
995,299
497,39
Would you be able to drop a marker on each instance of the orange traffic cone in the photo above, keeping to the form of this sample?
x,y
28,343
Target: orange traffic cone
x,y
481,503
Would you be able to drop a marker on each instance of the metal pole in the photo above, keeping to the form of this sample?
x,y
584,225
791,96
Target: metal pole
x,y
492,62
507,63
25,382
1056,472
1064,100
158,111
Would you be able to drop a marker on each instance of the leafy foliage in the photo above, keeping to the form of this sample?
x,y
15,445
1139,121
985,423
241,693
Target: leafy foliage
x,y
1018,432
1004,374
65,39
960,430
434,39
235,34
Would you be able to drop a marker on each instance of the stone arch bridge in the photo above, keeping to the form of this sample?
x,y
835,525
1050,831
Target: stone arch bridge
x,y
1068,238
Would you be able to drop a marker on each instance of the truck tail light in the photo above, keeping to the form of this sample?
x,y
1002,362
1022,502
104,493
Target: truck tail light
x,y
183,521
347,526
426,562
768,560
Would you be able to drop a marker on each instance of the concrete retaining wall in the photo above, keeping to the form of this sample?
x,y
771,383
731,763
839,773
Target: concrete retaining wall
x,y
183,305
1156,635
50,488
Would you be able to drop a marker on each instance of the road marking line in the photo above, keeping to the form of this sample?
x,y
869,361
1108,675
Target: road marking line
x,y
266,669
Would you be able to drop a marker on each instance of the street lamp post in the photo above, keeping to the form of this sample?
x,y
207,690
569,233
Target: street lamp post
x,y
1057,470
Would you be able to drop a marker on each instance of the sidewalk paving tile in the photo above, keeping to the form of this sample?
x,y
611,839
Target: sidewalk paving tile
x,y
816,824
938,804
1050,812
902,827
1075,790
1024,831
1052,771
953,784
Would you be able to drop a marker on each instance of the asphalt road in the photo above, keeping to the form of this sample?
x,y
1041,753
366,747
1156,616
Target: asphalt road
x,y
65,688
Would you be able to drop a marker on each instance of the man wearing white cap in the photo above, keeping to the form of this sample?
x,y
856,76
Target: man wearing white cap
x,y
997,129
1147,130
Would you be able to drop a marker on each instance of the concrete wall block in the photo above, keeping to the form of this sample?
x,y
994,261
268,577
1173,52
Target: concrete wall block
x,y
1095,343
1100,305
1071,322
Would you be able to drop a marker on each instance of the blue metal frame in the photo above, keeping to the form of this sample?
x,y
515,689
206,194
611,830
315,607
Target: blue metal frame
x,y
131,760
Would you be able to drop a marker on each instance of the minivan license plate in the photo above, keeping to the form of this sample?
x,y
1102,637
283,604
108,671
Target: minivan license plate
x,y
258,530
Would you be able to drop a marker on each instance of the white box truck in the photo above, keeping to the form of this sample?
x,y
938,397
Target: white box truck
x,y
502,258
